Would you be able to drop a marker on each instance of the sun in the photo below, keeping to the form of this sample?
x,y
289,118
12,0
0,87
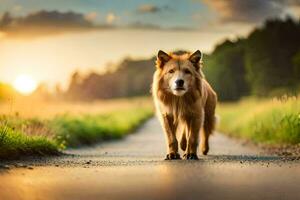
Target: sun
x,y
25,84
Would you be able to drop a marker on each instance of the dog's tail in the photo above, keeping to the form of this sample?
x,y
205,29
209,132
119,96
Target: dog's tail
x,y
210,123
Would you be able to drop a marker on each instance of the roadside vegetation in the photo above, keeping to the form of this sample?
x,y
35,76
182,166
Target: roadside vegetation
x,y
275,121
266,63
73,131
15,143
48,136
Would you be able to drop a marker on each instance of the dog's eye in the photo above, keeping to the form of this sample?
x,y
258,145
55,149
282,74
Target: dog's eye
x,y
186,71
171,71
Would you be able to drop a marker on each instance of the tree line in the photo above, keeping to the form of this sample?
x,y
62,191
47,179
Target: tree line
x,y
265,63
127,79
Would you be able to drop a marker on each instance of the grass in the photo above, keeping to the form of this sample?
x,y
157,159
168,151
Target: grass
x,y
15,144
275,121
36,135
88,129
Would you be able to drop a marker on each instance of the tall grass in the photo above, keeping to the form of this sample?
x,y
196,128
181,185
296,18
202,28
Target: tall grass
x,y
43,136
275,121
88,129
15,143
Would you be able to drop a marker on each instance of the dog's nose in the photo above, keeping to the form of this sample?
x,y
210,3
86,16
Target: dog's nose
x,y
179,83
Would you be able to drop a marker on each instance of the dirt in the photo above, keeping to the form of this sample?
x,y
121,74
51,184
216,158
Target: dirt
x,y
282,150
134,168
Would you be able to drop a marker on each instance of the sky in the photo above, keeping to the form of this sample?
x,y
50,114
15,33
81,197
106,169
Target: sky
x,y
49,40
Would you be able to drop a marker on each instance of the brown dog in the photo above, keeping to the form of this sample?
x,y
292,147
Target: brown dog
x,y
184,102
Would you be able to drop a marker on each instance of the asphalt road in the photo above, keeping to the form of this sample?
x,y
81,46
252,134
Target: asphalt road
x,y
134,169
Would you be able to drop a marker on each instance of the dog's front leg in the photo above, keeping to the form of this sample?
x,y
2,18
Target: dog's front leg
x,y
170,131
193,130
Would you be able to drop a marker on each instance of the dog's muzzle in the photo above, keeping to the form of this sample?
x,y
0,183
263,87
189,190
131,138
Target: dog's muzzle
x,y
179,84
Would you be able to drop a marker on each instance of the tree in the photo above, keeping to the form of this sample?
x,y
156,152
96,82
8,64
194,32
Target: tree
x,y
225,70
268,55
296,66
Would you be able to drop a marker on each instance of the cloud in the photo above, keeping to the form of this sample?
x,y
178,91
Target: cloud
x,y
250,11
44,19
293,8
152,9
140,25
46,22
253,11
148,8
293,2
151,26
239,17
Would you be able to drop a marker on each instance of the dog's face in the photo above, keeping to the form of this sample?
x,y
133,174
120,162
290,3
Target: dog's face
x,y
178,72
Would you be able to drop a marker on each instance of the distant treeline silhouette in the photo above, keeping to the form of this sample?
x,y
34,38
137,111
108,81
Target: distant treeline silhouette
x,y
130,78
265,63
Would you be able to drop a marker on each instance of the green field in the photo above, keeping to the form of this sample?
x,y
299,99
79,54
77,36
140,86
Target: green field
x,y
36,136
274,121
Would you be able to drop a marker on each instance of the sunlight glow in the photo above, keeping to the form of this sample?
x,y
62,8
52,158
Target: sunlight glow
x,y
2,34
25,84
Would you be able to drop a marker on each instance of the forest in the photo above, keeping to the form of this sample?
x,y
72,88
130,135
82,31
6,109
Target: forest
x,y
266,63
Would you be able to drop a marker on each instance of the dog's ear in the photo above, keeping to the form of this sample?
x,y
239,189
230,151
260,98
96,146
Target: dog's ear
x,y
195,57
163,57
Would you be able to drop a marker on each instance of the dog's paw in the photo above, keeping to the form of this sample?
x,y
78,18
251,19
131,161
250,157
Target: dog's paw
x,y
190,156
173,156
205,151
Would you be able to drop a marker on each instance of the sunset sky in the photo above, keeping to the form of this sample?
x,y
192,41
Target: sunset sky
x,y
48,40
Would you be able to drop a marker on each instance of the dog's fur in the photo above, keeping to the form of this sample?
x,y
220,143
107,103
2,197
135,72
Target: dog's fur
x,y
189,109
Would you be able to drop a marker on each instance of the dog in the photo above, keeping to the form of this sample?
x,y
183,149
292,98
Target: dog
x,y
185,103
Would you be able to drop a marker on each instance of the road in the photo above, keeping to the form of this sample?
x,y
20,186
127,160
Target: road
x,y
134,168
